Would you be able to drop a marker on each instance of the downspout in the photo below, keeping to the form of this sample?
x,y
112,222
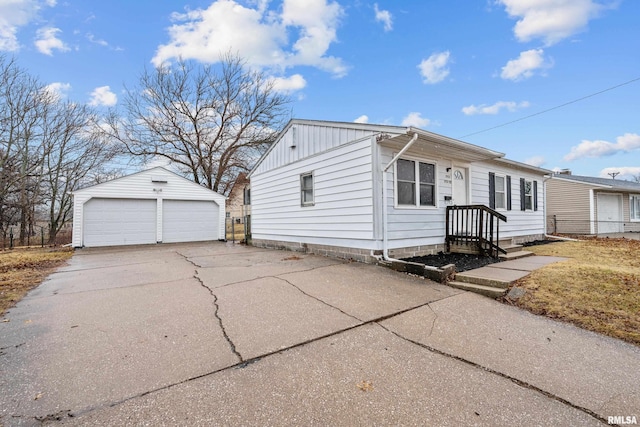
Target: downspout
x,y
385,228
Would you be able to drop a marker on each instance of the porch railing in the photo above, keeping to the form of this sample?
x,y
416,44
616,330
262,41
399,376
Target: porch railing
x,y
474,228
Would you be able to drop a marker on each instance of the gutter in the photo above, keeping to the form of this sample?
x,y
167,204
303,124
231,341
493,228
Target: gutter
x,y
385,214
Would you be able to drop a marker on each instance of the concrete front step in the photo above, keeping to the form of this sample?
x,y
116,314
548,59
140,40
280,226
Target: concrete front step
x,y
515,255
490,276
488,291
511,248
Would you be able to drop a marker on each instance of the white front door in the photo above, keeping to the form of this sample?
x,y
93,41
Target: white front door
x,y
459,178
610,213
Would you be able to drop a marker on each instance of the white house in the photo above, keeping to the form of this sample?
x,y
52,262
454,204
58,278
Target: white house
x,y
148,207
363,191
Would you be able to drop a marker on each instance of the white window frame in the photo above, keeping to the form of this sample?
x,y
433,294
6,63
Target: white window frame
x,y
417,204
504,191
632,211
528,195
312,202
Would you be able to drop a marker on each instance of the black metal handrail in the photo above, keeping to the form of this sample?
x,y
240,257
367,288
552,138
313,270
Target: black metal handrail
x,y
477,226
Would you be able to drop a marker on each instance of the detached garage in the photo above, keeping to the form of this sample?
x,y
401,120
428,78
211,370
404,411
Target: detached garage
x,y
152,206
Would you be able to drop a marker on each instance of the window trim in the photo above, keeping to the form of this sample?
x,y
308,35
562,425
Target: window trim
x,y
523,182
631,197
303,189
417,204
504,191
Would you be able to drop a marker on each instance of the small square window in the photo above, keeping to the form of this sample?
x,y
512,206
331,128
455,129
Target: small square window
x,y
306,189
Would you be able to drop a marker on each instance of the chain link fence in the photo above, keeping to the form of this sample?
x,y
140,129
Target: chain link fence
x,y
238,229
557,225
38,236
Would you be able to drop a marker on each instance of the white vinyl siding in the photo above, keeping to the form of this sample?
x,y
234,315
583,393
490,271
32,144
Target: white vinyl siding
x,y
519,223
342,213
304,139
415,227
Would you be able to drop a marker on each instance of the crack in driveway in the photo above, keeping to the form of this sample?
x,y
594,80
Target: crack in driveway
x,y
515,380
217,315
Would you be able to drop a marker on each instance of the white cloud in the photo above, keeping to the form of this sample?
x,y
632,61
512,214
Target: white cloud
x,y
416,120
434,68
524,67
103,96
536,161
383,16
495,108
625,172
93,39
257,34
289,84
598,148
15,14
550,20
58,89
362,119
48,41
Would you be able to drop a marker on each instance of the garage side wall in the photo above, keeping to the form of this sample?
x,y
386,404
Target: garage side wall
x,y
154,184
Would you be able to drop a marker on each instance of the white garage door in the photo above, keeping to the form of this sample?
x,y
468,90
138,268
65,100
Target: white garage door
x,y
112,222
189,221
610,213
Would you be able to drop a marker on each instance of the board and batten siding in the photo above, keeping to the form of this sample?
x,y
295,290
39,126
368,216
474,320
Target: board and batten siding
x,y
308,139
342,214
569,205
140,186
519,223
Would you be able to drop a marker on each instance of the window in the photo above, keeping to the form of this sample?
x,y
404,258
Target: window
x,y
415,183
499,191
306,189
501,200
634,205
247,196
526,195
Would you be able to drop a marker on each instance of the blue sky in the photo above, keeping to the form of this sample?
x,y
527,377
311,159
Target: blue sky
x,y
459,68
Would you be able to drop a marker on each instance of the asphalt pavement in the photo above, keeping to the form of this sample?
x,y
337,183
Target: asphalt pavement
x,y
223,334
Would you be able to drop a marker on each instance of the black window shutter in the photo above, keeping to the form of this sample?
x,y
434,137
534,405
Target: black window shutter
x,y
508,192
522,202
535,195
492,190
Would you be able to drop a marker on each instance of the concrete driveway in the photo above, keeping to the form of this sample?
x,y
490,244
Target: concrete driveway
x,y
216,334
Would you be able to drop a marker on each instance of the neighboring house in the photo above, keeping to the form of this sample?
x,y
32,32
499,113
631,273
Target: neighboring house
x,y
237,202
152,206
590,205
320,186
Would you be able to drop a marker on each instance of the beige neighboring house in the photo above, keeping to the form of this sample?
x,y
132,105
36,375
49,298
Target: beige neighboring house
x,y
238,203
590,205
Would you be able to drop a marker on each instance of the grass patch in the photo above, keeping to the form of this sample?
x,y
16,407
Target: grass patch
x,y
598,288
23,269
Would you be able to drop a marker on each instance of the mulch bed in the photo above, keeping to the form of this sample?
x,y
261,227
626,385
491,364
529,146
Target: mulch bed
x,y
463,262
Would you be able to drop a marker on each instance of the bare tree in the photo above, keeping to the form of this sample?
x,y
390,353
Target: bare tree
x,y
76,154
211,122
23,101
47,149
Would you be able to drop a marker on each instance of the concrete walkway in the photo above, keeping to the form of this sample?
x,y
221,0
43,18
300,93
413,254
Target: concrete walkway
x,y
510,271
214,334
